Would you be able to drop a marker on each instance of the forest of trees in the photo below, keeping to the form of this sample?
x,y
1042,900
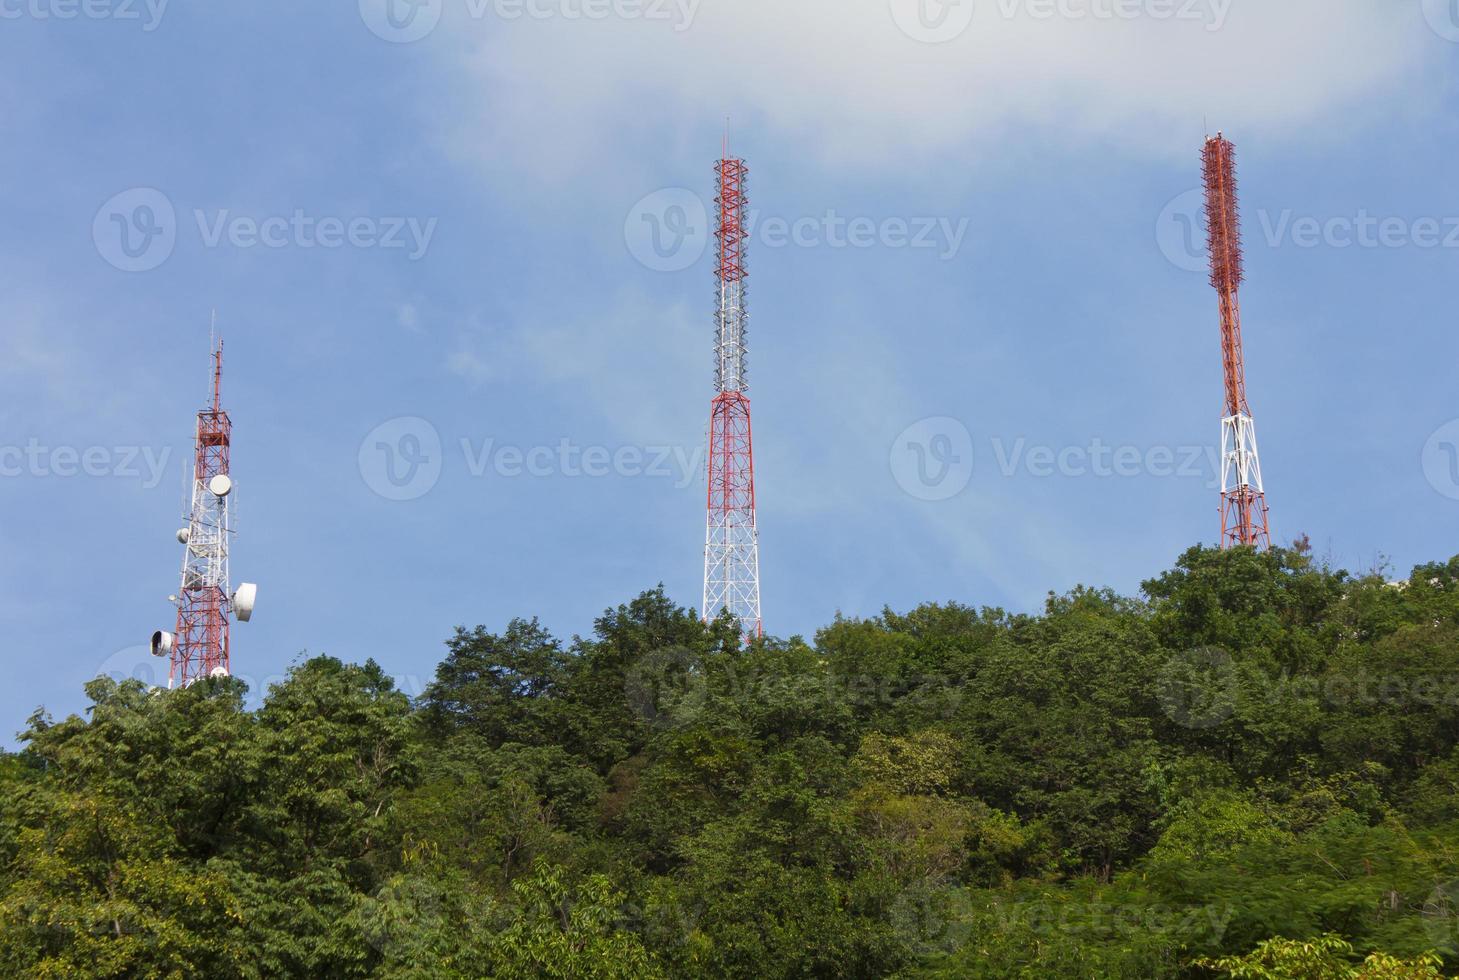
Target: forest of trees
x,y
1248,771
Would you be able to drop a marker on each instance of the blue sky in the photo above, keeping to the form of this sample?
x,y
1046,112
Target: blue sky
x,y
971,235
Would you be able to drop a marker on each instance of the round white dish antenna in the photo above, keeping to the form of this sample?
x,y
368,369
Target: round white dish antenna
x,y
182,535
220,485
162,643
243,601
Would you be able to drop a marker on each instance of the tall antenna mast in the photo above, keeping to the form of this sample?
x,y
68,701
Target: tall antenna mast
x,y
731,540
1243,499
205,603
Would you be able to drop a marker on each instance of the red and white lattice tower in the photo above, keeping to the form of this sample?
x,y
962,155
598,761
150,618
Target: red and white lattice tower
x,y
205,604
731,540
1243,499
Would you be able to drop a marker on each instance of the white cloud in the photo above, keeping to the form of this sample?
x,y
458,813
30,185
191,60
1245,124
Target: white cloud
x,y
843,81
468,364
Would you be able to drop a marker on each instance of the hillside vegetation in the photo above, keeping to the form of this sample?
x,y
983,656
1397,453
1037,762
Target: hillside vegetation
x,y
1248,771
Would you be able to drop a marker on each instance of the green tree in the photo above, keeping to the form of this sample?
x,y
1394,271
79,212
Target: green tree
x,y
1324,958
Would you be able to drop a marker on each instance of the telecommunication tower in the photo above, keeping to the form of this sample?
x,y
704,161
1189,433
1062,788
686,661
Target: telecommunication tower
x,y
200,647
731,540
1243,498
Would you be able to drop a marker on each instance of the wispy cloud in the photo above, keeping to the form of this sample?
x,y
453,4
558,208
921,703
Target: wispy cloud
x,y
851,84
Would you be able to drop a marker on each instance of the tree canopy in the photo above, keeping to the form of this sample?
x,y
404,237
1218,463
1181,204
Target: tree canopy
x,y
1249,770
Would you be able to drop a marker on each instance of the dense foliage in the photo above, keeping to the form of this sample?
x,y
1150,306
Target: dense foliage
x,y
1250,771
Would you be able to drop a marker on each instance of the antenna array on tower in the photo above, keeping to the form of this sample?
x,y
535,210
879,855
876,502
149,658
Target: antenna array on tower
x,y
1243,499
731,539
201,647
